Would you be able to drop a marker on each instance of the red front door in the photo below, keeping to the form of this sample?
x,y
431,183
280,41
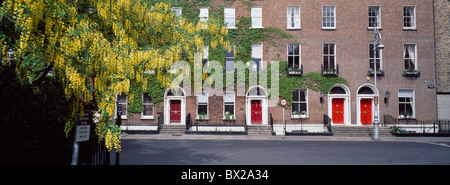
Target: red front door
x,y
366,111
175,111
337,110
256,112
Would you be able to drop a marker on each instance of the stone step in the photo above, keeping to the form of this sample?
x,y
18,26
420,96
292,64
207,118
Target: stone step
x,y
259,130
173,129
360,131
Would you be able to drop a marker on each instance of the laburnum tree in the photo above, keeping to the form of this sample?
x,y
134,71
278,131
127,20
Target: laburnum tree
x,y
111,43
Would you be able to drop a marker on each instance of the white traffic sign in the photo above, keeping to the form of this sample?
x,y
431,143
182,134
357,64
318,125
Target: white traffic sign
x,y
283,102
82,133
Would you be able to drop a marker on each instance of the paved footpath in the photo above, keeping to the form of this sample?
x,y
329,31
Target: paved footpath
x,y
296,138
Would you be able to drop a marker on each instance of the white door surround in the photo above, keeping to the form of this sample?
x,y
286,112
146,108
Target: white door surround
x,y
256,93
176,93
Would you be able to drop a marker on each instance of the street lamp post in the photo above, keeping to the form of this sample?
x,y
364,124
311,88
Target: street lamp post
x,y
376,45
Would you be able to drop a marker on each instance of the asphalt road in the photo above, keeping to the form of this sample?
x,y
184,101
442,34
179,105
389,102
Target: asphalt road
x,y
281,152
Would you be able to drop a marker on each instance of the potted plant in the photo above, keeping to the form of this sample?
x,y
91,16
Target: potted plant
x,y
202,116
408,114
303,113
229,116
401,115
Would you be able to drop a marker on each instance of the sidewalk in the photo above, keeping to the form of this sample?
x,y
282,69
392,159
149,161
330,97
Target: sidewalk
x,y
287,138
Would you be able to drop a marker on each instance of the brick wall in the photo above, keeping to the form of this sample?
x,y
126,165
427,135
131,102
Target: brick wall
x,y
442,26
352,38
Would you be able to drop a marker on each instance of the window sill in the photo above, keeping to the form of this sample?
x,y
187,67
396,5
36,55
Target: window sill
x,y
294,28
256,27
403,118
147,117
232,28
331,29
409,29
372,28
298,117
204,119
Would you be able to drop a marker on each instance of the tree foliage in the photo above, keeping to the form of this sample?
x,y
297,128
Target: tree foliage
x,y
111,42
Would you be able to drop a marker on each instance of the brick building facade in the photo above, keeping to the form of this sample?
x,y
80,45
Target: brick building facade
x,y
442,32
332,37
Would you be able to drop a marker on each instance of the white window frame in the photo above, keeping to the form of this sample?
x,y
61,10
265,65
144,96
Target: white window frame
x,y
413,18
378,16
204,19
254,67
300,102
380,52
174,9
207,104
294,55
205,53
124,116
413,107
416,62
297,18
153,112
254,16
328,55
234,104
328,17
229,16
233,49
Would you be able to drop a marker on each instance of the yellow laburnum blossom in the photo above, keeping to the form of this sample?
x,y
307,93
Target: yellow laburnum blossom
x,y
114,42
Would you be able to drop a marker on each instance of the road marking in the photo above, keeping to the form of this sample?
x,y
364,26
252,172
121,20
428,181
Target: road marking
x,y
439,144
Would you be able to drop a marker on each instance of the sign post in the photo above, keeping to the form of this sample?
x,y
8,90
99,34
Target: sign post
x,y
82,133
283,103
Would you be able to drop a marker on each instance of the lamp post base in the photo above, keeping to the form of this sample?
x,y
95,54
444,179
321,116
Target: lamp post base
x,y
376,133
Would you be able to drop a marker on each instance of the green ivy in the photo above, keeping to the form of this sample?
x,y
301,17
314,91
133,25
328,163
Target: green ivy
x,y
155,90
242,38
312,80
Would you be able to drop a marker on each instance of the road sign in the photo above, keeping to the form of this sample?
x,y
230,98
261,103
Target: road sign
x,y
283,102
82,133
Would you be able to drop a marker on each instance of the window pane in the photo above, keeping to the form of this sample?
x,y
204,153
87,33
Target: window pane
x,y
295,48
229,109
202,97
229,65
228,97
295,96
256,22
122,98
229,53
256,12
331,61
303,108
148,110
302,95
296,62
290,62
202,109
290,49
229,12
147,98
256,50
331,50
230,21
295,108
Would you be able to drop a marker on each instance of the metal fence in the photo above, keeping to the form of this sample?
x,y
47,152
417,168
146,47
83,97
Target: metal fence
x,y
411,126
93,152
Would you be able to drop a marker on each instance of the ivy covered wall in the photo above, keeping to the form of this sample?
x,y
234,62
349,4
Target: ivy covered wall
x,y
242,38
